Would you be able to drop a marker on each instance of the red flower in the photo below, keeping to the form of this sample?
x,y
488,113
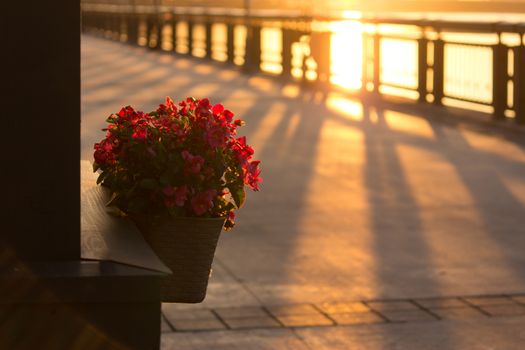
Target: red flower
x,y
242,150
192,143
170,107
217,109
228,115
193,163
251,175
140,134
203,201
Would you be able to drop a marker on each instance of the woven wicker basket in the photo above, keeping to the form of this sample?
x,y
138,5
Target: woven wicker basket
x,y
187,247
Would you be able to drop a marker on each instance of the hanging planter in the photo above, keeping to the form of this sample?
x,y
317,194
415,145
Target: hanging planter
x,y
179,172
187,246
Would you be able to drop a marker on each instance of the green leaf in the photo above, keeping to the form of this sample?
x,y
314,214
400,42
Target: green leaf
x,y
95,166
111,119
149,184
101,177
137,205
238,195
164,179
114,197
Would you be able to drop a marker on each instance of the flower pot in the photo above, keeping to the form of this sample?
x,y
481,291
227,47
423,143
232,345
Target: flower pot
x,y
187,247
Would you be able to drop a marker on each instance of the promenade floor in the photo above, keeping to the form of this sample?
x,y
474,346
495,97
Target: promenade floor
x,y
378,225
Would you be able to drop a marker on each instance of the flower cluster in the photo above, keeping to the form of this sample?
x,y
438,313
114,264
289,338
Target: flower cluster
x,y
182,159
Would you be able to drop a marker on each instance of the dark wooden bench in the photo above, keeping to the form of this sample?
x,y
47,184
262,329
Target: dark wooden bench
x,y
108,299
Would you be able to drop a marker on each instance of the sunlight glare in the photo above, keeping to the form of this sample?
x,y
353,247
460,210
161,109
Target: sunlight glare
x,y
351,109
346,52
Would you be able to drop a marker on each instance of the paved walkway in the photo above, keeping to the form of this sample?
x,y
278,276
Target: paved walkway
x,y
361,203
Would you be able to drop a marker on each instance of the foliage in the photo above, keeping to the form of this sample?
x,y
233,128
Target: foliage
x,y
180,160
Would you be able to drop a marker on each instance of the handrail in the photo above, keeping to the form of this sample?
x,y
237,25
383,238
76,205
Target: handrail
x,y
505,96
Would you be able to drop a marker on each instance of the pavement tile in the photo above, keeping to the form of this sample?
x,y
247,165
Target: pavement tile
x,y
292,310
252,322
441,303
198,325
481,301
337,308
241,312
174,315
304,320
407,315
458,313
356,318
504,310
392,305
520,299
164,326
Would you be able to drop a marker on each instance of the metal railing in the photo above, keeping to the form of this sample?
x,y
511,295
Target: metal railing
x,y
438,62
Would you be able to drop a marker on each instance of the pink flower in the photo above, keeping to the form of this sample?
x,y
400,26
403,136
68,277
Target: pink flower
x,y
216,136
181,195
104,152
193,163
203,201
175,195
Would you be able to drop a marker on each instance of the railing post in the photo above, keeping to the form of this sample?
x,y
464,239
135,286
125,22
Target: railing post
x,y
252,55
519,82
190,37
320,47
256,48
286,54
174,32
230,42
422,68
159,26
438,69
499,78
377,61
149,29
208,27
132,28
364,69
116,26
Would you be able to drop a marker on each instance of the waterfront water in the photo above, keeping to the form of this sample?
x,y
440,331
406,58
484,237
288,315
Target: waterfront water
x,y
470,75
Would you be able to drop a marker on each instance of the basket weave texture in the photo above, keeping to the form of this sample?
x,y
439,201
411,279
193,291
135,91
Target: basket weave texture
x,y
187,247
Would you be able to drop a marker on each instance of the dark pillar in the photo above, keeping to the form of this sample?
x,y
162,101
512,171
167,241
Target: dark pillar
x,y
41,94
